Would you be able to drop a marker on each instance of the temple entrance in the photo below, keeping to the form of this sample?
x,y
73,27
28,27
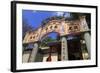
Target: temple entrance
x,y
74,49
53,53
55,48
51,47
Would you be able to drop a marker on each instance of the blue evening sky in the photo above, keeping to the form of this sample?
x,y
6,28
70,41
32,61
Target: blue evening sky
x,y
34,18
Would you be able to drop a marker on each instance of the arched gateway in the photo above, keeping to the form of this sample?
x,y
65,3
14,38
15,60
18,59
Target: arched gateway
x,y
70,31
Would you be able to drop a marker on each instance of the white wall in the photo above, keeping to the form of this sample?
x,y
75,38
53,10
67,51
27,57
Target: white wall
x,y
5,37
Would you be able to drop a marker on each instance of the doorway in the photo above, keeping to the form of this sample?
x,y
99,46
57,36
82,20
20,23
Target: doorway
x,y
74,49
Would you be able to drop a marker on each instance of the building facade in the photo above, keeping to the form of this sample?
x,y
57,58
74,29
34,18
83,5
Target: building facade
x,y
73,43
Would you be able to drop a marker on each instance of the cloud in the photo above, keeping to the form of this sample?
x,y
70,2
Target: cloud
x,y
59,13
65,14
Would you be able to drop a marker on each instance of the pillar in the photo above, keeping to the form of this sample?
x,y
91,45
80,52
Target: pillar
x,y
87,38
34,53
64,49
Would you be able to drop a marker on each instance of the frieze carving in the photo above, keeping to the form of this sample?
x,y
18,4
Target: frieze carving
x,y
63,27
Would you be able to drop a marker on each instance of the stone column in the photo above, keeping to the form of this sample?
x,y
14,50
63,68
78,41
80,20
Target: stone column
x,y
64,49
34,53
87,38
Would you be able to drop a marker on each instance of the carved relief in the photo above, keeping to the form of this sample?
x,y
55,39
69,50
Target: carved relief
x,y
60,26
74,28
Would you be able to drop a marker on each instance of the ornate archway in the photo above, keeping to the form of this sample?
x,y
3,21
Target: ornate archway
x,y
64,28
61,26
